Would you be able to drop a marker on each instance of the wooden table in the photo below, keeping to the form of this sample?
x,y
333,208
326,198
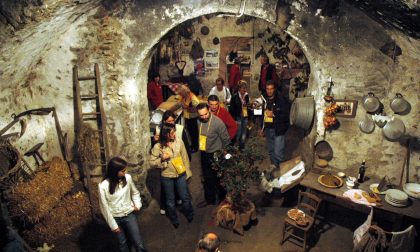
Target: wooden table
x,y
335,195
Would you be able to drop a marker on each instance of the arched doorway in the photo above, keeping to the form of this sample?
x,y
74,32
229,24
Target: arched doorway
x,y
201,49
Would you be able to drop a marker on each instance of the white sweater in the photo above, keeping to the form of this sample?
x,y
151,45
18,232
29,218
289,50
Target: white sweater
x,y
119,204
224,95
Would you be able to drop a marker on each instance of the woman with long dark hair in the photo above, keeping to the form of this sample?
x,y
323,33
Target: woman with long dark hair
x,y
181,133
170,155
118,198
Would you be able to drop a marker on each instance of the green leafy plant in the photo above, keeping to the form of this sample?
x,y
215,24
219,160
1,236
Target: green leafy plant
x,y
237,170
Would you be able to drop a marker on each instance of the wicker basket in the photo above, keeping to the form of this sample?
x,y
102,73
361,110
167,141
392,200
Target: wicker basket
x,y
13,168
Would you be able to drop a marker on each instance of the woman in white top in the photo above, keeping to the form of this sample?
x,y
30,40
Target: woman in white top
x,y
118,198
221,92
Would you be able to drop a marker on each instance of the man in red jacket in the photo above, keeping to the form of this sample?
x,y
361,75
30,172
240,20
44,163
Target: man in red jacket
x,y
154,91
223,114
234,75
267,73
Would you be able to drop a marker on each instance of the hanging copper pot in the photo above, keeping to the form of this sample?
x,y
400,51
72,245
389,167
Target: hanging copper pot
x,y
399,104
216,41
205,30
371,103
394,129
367,125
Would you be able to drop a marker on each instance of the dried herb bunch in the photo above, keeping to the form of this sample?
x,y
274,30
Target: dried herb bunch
x,y
237,170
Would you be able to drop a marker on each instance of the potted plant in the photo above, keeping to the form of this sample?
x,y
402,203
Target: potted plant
x,y
237,170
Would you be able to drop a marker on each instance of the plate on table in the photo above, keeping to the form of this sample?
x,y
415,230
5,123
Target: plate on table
x,y
412,189
397,195
295,214
374,188
330,181
395,203
396,198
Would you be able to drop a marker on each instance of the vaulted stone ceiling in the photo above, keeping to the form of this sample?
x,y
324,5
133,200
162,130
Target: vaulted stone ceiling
x,y
403,15
400,14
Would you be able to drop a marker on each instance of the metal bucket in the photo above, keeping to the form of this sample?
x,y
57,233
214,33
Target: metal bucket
x,y
302,112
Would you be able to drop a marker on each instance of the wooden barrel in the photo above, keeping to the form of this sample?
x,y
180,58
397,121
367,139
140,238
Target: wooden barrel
x,y
302,112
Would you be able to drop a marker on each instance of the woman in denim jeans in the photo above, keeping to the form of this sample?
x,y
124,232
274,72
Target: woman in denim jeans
x,y
167,155
239,111
118,198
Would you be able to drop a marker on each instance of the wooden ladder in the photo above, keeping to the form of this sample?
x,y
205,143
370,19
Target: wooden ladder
x,y
98,115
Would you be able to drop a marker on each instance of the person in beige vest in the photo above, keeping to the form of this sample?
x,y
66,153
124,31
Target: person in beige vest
x,y
170,155
169,117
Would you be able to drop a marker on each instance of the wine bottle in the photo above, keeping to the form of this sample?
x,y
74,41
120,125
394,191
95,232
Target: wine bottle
x,y
362,169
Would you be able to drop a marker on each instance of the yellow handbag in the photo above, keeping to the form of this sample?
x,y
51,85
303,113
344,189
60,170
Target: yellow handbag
x,y
179,165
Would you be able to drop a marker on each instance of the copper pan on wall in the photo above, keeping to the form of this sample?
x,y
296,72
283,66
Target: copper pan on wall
x,y
399,105
394,129
371,103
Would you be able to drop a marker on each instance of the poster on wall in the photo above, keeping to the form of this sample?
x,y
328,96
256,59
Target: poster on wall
x,y
199,68
211,59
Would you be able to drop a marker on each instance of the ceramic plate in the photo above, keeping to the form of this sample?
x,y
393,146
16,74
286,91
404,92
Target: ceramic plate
x,y
395,204
412,189
397,195
295,214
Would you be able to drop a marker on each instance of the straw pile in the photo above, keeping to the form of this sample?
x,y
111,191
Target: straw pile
x,y
71,213
34,199
88,145
95,198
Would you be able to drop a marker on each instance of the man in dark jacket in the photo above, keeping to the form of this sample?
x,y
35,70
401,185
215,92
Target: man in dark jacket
x,y
239,111
275,122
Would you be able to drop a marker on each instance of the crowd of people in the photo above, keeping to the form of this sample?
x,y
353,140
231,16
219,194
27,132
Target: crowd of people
x,y
209,127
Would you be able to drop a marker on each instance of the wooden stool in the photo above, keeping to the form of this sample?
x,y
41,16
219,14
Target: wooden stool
x,y
34,152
